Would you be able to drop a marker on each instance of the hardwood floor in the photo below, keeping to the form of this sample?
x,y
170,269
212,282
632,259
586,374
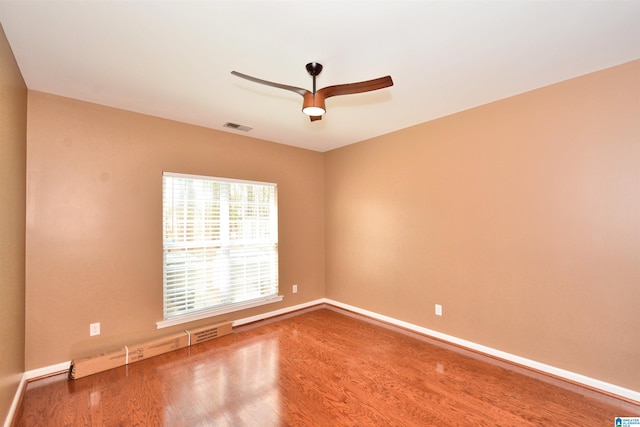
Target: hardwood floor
x,y
317,368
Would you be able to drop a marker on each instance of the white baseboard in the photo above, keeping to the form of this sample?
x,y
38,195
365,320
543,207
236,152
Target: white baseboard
x,y
552,370
26,377
16,401
280,312
557,372
47,370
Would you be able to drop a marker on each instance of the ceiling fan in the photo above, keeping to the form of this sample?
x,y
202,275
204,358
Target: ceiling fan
x,y
313,104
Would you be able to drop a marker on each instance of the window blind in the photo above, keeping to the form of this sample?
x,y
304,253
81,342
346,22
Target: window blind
x,y
220,242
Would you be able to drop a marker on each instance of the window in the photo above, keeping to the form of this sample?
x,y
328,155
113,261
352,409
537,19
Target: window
x,y
220,245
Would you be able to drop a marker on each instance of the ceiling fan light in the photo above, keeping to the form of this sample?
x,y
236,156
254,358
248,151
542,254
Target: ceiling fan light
x,y
313,104
313,111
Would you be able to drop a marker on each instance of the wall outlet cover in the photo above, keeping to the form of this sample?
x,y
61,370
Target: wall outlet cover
x,y
438,310
94,329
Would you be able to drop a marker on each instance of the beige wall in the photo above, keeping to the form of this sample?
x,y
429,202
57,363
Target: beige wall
x,y
520,217
13,139
94,223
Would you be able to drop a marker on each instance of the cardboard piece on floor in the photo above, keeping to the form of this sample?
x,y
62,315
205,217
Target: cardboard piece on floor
x,y
153,348
129,354
91,365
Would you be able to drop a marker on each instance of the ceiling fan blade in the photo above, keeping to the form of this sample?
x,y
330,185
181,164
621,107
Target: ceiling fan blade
x,y
314,118
351,88
297,90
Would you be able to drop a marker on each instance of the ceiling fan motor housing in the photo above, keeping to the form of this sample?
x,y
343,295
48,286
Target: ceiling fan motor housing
x,y
314,100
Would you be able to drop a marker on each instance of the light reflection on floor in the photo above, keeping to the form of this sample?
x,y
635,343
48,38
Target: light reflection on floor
x,y
231,391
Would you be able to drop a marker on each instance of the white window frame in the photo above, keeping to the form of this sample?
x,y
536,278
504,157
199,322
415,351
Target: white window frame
x,y
203,263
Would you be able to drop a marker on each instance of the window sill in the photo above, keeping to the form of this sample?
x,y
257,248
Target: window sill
x,y
203,314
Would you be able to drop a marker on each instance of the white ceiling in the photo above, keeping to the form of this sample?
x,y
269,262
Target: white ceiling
x,y
173,59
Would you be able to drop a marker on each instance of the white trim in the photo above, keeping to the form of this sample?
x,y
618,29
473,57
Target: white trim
x,y
280,312
217,178
29,375
14,403
560,373
552,370
186,318
47,370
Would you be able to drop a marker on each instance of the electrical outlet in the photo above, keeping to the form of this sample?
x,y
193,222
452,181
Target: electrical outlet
x,y
438,310
94,329
295,289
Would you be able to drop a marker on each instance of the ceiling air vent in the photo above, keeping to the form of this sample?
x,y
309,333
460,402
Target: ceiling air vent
x,y
237,127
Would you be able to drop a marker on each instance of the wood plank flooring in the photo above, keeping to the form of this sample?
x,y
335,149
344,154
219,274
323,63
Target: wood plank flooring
x,y
321,367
